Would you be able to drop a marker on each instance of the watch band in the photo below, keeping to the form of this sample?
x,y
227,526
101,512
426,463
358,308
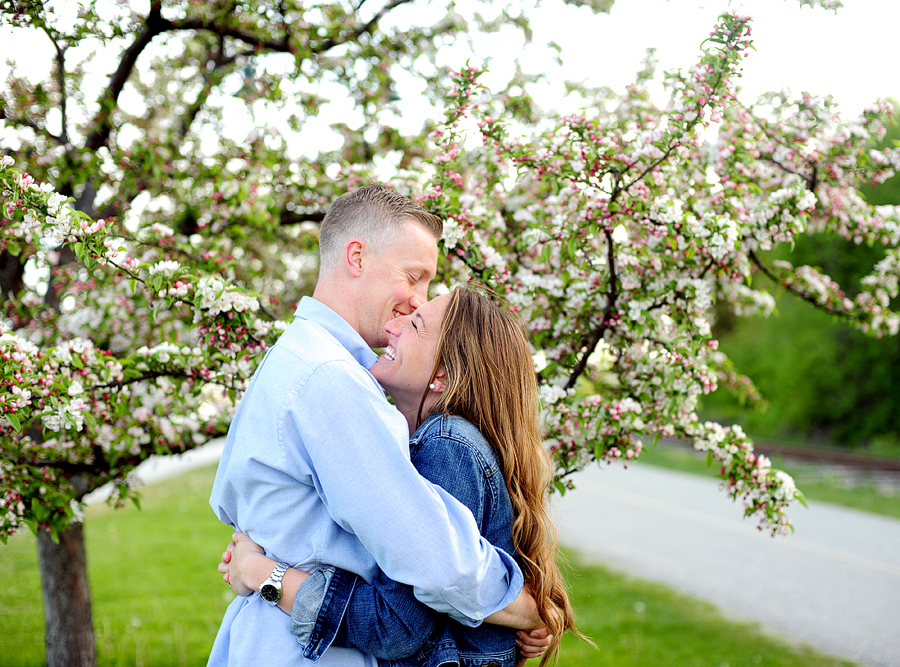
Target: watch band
x,y
270,589
278,573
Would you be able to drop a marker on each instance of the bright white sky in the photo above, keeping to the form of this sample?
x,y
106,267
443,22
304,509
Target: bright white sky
x,y
851,54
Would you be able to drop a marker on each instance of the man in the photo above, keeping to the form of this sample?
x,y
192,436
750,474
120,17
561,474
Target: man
x,y
316,465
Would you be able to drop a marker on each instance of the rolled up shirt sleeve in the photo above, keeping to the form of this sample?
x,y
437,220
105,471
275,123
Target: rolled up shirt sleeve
x,y
417,533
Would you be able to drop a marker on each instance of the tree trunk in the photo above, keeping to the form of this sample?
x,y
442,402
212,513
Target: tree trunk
x,y
12,276
67,599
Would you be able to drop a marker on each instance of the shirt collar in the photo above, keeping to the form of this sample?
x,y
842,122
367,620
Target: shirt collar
x,y
317,312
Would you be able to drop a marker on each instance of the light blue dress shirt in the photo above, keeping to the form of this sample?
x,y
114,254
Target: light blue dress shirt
x,y
316,469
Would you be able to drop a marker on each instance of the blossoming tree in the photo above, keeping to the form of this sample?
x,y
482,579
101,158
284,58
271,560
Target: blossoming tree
x,y
144,275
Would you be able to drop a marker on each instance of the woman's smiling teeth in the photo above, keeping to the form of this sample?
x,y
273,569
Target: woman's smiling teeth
x,y
390,353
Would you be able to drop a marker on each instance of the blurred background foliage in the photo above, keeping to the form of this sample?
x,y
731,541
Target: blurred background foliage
x,y
823,383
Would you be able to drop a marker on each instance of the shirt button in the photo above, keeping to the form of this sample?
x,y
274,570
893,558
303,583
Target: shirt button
x,y
478,614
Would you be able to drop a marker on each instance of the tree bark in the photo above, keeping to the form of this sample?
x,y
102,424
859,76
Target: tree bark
x,y
67,600
12,276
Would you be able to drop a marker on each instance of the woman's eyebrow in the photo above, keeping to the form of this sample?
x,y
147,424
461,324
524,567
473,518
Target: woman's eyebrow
x,y
421,319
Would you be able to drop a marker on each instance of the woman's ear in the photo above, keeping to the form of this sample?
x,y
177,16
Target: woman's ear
x,y
354,253
440,381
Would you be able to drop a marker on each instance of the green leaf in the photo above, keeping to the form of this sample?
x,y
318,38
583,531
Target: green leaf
x,y
15,422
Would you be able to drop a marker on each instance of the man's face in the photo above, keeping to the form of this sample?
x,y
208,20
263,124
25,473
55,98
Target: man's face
x,y
397,281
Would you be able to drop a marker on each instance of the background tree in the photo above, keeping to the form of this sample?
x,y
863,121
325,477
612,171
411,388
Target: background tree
x,y
113,357
149,258
822,381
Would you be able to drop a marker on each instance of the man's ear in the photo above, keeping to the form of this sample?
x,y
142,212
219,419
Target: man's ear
x,y
440,381
354,256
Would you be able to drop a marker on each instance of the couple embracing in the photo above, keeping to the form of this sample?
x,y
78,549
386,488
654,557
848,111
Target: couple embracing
x,y
372,534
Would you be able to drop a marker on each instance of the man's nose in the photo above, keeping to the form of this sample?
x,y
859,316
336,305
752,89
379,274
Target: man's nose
x,y
419,297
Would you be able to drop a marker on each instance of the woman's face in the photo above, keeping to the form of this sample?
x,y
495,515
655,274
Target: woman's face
x,y
404,369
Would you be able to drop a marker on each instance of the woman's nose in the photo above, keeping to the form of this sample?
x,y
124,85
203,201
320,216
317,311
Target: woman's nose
x,y
394,326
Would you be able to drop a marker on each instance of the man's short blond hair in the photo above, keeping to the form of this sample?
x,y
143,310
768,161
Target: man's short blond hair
x,y
374,213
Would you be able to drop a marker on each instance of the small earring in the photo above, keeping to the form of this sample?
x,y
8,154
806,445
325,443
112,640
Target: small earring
x,y
431,386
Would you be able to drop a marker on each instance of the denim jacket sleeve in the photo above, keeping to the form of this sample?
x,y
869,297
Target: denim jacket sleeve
x,y
384,618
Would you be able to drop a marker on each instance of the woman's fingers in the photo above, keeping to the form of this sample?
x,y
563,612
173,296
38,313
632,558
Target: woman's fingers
x,y
245,542
533,643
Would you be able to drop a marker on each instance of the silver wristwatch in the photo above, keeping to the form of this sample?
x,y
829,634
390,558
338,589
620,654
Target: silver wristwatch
x,y
270,589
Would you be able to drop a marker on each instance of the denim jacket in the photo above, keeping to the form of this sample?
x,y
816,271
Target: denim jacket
x,y
384,618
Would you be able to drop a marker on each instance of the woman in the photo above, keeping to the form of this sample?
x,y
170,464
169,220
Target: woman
x,y
460,371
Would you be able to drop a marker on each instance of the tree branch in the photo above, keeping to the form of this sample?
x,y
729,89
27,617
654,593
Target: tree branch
x,y
26,121
363,29
810,180
793,290
671,149
100,464
612,296
706,269
152,375
63,96
296,217
102,123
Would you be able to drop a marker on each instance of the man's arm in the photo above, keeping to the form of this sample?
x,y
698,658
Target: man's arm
x,y
245,567
384,618
521,614
417,533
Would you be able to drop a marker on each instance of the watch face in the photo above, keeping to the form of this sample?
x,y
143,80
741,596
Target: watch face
x,y
270,593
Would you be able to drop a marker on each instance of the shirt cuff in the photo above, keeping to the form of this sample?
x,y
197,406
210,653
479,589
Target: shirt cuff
x,y
467,612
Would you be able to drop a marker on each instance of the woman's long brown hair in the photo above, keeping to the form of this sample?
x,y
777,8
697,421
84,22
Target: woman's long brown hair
x,y
491,383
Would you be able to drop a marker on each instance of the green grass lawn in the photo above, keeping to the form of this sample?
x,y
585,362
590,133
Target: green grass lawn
x,y
644,624
815,485
158,599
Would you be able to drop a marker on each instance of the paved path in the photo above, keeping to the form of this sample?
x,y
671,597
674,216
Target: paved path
x,y
834,584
